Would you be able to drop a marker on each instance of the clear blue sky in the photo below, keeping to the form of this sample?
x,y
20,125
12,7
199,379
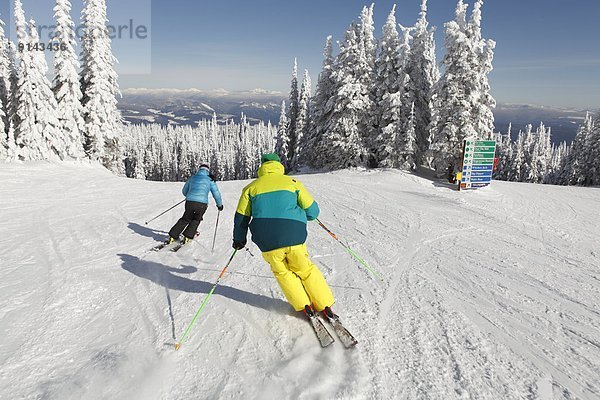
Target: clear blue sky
x,y
547,51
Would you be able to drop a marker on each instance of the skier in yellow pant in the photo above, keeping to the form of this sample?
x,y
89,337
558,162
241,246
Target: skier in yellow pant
x,y
301,281
276,208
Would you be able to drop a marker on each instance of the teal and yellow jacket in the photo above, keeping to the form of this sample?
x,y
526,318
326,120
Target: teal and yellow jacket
x,y
276,208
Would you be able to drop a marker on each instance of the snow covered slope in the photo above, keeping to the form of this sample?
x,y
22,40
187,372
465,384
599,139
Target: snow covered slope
x,y
492,294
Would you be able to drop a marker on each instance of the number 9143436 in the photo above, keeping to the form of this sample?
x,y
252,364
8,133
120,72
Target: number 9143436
x,y
42,46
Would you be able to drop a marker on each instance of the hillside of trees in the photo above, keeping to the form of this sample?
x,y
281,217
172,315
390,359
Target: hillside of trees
x,y
379,101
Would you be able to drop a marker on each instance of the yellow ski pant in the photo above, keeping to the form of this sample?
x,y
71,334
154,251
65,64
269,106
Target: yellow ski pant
x,y
301,281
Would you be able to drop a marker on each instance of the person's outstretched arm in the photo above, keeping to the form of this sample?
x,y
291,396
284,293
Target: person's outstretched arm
x,y
243,214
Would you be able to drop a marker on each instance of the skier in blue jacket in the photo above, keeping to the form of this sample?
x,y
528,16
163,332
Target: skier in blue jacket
x,y
196,194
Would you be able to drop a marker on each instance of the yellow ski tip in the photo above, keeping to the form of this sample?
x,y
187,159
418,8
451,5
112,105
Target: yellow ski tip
x,y
177,346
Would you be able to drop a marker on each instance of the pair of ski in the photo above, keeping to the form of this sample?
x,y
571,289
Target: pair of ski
x,y
323,335
173,247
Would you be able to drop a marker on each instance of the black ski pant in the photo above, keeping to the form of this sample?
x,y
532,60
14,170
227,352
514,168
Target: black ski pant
x,y
188,224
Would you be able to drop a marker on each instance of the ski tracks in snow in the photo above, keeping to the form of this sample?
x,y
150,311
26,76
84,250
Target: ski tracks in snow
x,y
460,327
487,295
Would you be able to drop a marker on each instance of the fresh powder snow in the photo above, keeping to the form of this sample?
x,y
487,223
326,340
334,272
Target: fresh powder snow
x,y
493,294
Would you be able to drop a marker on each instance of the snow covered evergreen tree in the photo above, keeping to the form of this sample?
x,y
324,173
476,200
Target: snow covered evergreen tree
x,y
367,48
504,152
21,26
529,168
3,142
5,73
3,136
343,141
170,153
244,151
583,164
423,71
576,169
453,96
557,163
66,80
536,154
349,139
462,95
517,164
36,129
594,152
533,158
5,78
282,140
544,150
303,123
293,116
103,122
483,118
321,109
366,33
12,100
22,37
407,143
389,89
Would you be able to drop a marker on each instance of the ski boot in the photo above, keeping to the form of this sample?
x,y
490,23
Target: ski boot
x,y
309,312
182,242
328,313
171,240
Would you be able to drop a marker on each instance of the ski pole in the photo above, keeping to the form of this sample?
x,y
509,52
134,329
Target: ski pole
x,y
189,328
350,251
165,212
215,236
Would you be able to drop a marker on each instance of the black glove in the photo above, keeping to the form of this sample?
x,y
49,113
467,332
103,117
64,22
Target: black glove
x,y
220,208
239,245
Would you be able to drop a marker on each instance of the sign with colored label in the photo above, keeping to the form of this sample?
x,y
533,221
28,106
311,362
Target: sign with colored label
x,y
478,163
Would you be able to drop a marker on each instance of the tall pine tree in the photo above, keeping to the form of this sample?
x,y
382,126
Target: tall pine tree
x,y
66,80
389,87
594,152
5,76
321,108
36,130
462,95
282,140
292,118
576,170
483,118
367,50
5,73
407,143
103,122
517,166
303,123
343,141
423,71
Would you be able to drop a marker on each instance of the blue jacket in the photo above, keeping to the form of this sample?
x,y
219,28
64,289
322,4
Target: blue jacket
x,y
197,188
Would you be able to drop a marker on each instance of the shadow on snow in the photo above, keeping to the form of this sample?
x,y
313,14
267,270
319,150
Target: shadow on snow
x,y
148,232
164,276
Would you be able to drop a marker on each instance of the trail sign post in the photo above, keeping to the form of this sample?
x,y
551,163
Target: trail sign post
x,y
478,164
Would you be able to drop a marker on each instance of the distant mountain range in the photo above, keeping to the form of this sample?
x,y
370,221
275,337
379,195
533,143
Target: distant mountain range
x,y
564,122
187,107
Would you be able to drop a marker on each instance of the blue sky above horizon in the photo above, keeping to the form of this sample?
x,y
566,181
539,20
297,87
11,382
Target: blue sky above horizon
x,y
547,51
